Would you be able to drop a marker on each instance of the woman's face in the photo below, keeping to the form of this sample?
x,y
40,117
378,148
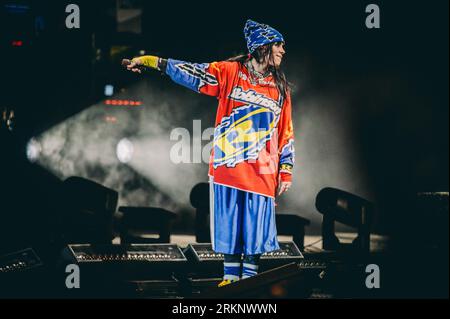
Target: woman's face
x,y
277,54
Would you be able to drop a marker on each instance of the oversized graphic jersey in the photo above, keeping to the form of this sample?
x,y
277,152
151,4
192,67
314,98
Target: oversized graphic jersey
x,y
253,137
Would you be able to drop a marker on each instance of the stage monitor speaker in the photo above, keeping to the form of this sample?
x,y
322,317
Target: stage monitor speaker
x,y
204,260
129,261
22,275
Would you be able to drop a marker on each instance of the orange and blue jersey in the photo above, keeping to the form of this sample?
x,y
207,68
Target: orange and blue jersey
x,y
253,138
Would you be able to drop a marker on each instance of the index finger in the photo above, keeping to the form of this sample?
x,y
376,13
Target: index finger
x,y
281,191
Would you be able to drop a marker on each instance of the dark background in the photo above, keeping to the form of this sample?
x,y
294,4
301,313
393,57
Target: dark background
x,y
393,81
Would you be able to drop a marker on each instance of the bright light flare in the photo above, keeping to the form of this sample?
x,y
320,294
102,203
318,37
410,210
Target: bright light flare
x,y
124,150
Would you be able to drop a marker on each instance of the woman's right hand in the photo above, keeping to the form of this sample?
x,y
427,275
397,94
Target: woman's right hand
x,y
135,65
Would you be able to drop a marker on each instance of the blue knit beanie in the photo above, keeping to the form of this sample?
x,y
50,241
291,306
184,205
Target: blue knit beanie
x,y
258,34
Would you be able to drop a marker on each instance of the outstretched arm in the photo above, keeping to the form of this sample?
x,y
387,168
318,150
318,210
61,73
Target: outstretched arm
x,y
205,78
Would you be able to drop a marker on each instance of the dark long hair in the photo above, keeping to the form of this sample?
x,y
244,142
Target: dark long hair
x,y
260,55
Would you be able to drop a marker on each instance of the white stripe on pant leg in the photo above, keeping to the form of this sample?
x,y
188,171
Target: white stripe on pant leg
x,y
249,271
250,266
211,210
232,264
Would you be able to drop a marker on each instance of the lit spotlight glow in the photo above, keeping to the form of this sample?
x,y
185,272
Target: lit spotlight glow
x,y
109,90
33,150
116,102
124,150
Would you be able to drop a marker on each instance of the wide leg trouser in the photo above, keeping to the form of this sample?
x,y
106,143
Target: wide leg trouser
x,y
241,222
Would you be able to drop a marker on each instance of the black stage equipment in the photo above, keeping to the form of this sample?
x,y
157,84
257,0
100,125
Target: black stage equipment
x,y
88,212
129,260
199,198
346,208
128,270
138,223
22,275
19,261
292,225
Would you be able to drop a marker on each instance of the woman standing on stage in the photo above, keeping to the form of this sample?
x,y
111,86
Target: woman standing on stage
x,y
253,150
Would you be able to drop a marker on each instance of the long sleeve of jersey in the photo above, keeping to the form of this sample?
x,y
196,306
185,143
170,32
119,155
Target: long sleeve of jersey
x,y
252,118
205,78
286,141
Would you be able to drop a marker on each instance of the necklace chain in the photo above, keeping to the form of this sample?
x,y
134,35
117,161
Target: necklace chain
x,y
255,75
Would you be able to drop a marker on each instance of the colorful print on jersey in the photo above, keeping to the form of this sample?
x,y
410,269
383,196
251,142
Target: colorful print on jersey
x,y
242,135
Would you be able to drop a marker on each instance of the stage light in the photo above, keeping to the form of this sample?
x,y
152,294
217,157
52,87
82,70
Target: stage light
x,y
33,150
110,119
124,150
109,90
123,102
17,43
